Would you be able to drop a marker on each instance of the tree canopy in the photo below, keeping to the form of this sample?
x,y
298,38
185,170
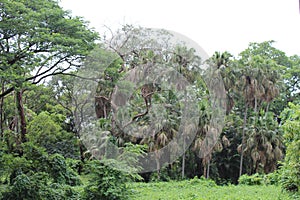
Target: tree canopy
x,y
39,39
81,116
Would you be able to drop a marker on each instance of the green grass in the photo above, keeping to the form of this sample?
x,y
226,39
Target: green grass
x,y
198,189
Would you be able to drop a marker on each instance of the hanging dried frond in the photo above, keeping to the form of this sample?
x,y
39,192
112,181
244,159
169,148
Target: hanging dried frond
x,y
151,146
162,139
229,102
250,143
268,148
197,144
255,156
239,149
218,147
225,141
278,155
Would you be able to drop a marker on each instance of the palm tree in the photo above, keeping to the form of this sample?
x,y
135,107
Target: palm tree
x,y
264,144
258,85
222,61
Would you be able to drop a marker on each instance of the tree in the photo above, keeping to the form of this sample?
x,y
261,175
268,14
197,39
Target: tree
x,y
38,40
228,160
264,143
291,165
223,62
45,131
292,79
152,75
259,80
270,61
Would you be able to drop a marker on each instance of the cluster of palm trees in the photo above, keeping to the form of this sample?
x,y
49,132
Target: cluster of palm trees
x,y
253,79
250,82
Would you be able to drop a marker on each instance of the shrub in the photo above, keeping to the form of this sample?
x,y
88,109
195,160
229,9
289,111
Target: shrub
x,y
291,166
35,175
45,131
161,176
203,181
58,191
36,187
37,156
26,187
273,178
290,179
60,172
107,182
255,179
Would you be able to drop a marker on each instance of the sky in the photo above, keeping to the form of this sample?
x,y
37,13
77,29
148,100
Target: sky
x,y
215,25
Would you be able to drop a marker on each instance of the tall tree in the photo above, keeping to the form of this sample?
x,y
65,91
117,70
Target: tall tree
x,y
154,73
38,40
258,66
223,61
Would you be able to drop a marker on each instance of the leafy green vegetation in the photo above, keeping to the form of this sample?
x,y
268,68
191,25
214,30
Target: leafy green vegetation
x,y
199,189
291,165
47,150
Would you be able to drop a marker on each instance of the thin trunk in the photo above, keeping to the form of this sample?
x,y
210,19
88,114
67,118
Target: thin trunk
x,y
255,104
158,169
243,140
183,160
268,106
21,114
208,168
81,149
77,133
1,112
204,170
184,137
255,109
267,109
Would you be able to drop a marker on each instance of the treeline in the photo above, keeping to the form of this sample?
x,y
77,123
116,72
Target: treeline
x,y
56,74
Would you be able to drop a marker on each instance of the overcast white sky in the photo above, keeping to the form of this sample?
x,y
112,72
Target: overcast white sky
x,y
216,25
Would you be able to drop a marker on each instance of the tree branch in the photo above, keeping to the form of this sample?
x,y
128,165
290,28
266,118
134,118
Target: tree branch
x,y
6,92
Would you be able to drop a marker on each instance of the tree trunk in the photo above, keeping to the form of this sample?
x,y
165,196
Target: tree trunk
x,y
204,170
268,106
158,169
243,141
208,168
21,114
183,160
1,112
255,104
81,149
184,137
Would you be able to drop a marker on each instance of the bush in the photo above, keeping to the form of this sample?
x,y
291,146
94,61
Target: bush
x,y
17,166
60,172
36,175
58,191
255,179
273,178
26,187
37,156
291,166
36,187
161,176
107,182
46,132
290,179
203,181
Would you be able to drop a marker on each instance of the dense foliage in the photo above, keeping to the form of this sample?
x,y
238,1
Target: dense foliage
x,y
43,153
291,164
